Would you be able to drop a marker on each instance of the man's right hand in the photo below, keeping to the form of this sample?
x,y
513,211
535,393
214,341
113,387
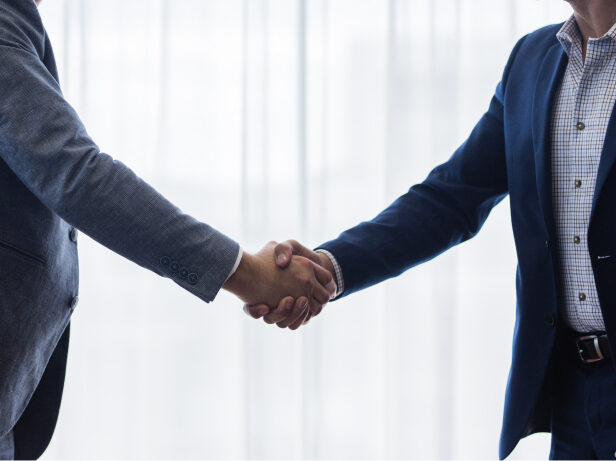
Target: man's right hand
x,y
299,286
283,314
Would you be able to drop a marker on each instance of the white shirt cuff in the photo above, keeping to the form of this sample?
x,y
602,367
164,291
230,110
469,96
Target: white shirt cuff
x,y
240,253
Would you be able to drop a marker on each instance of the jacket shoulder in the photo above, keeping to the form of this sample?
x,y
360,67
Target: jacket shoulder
x,y
537,42
21,26
530,51
543,37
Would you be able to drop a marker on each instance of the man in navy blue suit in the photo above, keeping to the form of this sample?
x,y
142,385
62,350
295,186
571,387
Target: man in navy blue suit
x,y
548,140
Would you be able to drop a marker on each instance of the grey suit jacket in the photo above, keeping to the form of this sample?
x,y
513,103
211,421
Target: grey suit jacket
x,y
53,179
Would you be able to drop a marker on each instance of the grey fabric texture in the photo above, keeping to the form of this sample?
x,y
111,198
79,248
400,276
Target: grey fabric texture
x,y
53,179
6,447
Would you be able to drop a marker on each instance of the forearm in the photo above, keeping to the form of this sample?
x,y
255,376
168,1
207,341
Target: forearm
x,y
45,144
412,230
125,214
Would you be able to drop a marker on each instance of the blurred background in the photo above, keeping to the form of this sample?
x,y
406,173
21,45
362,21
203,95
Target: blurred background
x,y
276,119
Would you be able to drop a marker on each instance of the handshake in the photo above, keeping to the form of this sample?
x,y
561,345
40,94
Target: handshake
x,y
286,283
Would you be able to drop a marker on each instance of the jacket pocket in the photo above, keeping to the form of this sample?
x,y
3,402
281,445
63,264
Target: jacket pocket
x,y
22,254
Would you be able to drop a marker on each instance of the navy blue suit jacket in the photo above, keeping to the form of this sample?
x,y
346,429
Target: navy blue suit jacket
x,y
508,152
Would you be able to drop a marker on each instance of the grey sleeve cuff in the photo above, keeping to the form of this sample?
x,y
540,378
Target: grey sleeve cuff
x,y
201,269
337,270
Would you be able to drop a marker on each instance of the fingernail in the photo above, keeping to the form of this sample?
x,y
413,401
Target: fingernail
x,y
281,258
331,287
305,305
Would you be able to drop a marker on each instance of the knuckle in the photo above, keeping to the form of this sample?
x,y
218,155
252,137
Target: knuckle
x,y
303,262
306,284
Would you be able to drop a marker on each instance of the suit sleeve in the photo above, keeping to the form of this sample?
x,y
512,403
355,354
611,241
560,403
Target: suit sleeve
x,y
447,208
43,141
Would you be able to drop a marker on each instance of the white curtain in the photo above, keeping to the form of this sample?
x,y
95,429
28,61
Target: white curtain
x,y
276,119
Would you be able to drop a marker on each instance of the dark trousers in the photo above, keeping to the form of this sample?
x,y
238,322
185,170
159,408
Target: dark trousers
x,y
6,446
583,421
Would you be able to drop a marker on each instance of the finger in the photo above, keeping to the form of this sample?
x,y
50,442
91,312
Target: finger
x,y
326,279
320,294
256,311
283,253
281,312
299,310
295,325
316,307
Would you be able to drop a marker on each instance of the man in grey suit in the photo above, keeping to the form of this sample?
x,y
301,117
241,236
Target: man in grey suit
x,y
54,180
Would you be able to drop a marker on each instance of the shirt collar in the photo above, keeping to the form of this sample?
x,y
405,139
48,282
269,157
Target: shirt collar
x,y
569,34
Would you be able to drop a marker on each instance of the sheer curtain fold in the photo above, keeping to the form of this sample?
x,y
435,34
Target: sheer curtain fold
x,y
275,119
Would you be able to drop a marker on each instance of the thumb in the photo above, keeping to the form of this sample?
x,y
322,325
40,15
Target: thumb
x,y
284,251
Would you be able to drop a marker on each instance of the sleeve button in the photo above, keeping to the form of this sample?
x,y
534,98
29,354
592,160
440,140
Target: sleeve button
x,y
165,261
183,273
192,278
174,267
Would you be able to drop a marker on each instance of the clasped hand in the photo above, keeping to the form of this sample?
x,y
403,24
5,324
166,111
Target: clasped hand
x,y
286,284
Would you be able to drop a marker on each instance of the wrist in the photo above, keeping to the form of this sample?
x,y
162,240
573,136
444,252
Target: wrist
x,y
326,263
243,278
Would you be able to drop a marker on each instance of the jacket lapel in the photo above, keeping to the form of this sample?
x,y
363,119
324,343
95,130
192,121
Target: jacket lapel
x,y
549,78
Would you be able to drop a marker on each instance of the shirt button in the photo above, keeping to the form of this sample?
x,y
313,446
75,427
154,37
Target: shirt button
x,y
547,244
73,303
576,239
582,296
578,183
72,234
580,126
549,320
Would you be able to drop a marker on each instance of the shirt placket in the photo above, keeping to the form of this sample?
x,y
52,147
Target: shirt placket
x,y
579,184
